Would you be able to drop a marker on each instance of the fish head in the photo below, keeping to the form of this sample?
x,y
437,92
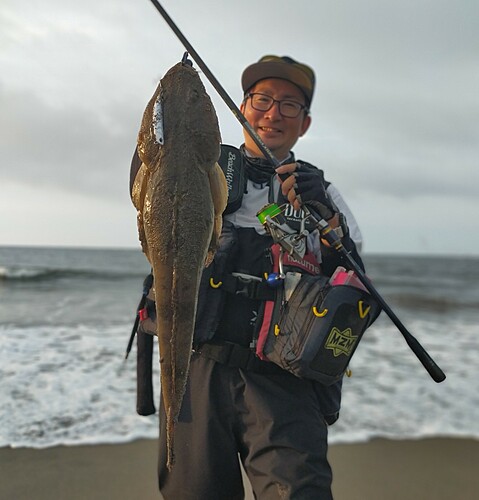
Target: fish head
x,y
189,113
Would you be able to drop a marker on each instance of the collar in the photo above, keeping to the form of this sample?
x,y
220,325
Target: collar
x,y
260,170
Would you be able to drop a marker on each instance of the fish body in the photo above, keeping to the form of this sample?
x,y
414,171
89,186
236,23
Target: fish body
x,y
180,193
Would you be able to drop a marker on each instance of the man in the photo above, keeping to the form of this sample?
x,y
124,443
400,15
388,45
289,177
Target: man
x,y
238,407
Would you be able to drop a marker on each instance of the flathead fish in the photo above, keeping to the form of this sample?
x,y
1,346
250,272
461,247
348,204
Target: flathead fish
x,y
180,193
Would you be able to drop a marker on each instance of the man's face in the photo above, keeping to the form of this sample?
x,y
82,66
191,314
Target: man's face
x,y
277,132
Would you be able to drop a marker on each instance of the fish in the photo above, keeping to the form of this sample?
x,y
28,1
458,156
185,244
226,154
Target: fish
x,y
180,193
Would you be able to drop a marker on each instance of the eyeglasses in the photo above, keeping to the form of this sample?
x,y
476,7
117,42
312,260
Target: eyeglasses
x,y
287,109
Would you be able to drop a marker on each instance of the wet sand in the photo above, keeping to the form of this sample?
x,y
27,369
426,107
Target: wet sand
x,y
436,469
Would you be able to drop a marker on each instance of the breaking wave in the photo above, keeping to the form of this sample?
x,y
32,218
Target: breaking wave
x,y
51,274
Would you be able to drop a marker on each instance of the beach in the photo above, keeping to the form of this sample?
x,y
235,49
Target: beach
x,y
381,469
70,391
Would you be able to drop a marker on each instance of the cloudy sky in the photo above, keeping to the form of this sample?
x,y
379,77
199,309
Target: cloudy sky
x,y
395,116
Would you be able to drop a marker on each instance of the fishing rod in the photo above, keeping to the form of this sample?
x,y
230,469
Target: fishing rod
x,y
324,228
218,87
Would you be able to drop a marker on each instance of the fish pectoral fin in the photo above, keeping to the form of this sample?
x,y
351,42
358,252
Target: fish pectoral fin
x,y
209,257
140,186
138,195
219,195
215,236
219,189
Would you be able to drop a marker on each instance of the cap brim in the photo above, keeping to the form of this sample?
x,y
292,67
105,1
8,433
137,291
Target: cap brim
x,y
262,70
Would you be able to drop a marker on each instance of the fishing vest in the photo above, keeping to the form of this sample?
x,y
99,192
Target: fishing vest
x,y
244,266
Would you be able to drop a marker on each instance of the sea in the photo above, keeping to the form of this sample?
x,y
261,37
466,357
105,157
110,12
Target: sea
x,y
66,316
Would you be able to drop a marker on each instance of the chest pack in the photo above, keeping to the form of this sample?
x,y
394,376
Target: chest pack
x,y
314,325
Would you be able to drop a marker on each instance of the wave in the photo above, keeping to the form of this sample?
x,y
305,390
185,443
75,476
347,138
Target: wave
x,y
32,274
429,299
388,394
417,302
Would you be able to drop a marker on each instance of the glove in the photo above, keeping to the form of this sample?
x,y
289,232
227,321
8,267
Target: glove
x,y
310,190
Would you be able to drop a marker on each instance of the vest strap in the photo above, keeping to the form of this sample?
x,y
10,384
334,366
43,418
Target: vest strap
x,y
237,356
250,287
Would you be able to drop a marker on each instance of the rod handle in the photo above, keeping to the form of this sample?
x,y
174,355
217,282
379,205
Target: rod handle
x,y
429,364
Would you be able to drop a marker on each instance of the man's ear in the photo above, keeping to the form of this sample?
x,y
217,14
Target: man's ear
x,y
305,125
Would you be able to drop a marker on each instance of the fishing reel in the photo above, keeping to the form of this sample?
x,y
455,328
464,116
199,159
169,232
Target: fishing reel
x,y
293,242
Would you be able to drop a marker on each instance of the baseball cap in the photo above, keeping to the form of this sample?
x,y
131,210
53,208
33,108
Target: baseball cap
x,y
280,67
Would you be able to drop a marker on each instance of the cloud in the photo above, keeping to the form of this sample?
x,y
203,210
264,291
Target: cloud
x,y
63,147
394,117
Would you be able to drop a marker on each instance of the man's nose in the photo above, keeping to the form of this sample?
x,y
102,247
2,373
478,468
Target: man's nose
x,y
273,112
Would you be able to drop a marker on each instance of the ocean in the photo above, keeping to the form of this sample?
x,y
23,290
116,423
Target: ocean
x,y
66,317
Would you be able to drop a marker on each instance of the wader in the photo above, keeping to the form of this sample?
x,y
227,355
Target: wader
x,y
273,420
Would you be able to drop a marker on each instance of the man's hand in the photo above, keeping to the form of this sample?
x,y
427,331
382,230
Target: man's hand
x,y
306,186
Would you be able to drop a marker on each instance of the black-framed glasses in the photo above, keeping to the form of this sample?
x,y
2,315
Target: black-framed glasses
x,y
287,108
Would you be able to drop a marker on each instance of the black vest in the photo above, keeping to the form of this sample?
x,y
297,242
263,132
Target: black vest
x,y
228,305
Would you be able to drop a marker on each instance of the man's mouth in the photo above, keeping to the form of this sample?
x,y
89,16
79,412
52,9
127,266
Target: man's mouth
x,y
270,130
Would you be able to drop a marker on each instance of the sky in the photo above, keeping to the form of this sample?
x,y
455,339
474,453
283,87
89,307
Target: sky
x,y
395,118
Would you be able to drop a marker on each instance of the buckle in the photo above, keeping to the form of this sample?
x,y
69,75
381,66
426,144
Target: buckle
x,y
246,284
239,356
227,353
246,287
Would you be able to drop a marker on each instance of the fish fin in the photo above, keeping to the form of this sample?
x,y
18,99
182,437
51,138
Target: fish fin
x,y
219,189
219,195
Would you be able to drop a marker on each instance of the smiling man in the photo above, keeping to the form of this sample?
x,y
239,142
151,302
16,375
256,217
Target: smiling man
x,y
277,111
238,406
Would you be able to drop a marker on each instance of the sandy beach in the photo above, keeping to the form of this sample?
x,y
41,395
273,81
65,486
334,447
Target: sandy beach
x,y
436,468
